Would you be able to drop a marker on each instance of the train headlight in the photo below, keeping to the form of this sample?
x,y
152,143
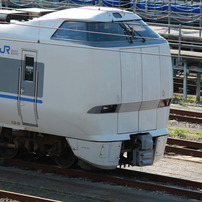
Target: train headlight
x,y
108,109
165,103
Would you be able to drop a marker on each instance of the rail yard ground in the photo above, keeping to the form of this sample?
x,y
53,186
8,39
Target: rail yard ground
x,y
185,167
62,188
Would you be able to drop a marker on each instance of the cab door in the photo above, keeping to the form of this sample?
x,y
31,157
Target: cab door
x,y
27,91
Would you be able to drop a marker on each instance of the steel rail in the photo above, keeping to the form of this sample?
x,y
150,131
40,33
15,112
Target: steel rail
x,y
186,113
185,118
161,178
184,151
186,143
109,177
23,197
184,147
189,116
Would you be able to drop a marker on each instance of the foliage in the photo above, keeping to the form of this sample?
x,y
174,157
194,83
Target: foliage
x,y
181,133
185,134
191,101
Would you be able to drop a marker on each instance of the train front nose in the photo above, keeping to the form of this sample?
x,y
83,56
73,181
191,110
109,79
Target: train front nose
x,y
146,94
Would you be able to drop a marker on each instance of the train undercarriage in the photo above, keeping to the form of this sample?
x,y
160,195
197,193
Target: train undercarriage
x,y
140,150
15,143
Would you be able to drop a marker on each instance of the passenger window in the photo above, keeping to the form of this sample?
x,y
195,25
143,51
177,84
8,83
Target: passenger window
x,y
29,69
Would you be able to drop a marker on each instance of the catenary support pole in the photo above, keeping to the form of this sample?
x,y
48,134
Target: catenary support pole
x,y
198,86
185,82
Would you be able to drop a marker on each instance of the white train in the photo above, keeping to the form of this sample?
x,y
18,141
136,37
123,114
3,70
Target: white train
x,y
88,85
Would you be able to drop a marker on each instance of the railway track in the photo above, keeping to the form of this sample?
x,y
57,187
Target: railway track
x,y
9,196
187,116
191,85
124,177
184,147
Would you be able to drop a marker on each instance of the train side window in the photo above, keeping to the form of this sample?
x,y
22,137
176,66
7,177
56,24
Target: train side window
x,y
71,30
29,69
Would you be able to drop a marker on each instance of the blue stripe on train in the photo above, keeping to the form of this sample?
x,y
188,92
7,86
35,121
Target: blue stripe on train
x,y
21,98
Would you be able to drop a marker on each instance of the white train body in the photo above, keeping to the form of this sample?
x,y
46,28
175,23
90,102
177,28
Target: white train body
x,y
108,98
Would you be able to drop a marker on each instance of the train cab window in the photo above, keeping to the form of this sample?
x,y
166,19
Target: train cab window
x,y
105,32
29,69
90,31
140,28
71,30
96,32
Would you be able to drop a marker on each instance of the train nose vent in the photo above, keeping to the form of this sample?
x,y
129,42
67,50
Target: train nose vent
x,y
142,153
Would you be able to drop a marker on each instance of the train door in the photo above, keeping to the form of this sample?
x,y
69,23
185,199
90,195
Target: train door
x,y
27,92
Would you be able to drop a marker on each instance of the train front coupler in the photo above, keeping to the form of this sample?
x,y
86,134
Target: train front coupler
x,y
138,151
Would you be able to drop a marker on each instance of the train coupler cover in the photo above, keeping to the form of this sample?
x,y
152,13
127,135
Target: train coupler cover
x,y
143,154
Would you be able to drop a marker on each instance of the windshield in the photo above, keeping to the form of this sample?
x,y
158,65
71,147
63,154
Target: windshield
x,y
130,31
141,29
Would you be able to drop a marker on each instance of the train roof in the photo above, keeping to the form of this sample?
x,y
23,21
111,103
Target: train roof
x,y
93,13
44,26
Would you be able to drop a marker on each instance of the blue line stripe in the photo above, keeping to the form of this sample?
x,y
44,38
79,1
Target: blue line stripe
x,y
21,98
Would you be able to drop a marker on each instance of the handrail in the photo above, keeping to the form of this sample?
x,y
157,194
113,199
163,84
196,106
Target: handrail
x,y
35,96
19,92
179,27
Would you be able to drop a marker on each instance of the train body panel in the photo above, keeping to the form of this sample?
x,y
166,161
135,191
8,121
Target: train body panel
x,y
105,93
78,92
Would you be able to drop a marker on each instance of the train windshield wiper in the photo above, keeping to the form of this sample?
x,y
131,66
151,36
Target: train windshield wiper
x,y
126,32
132,32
